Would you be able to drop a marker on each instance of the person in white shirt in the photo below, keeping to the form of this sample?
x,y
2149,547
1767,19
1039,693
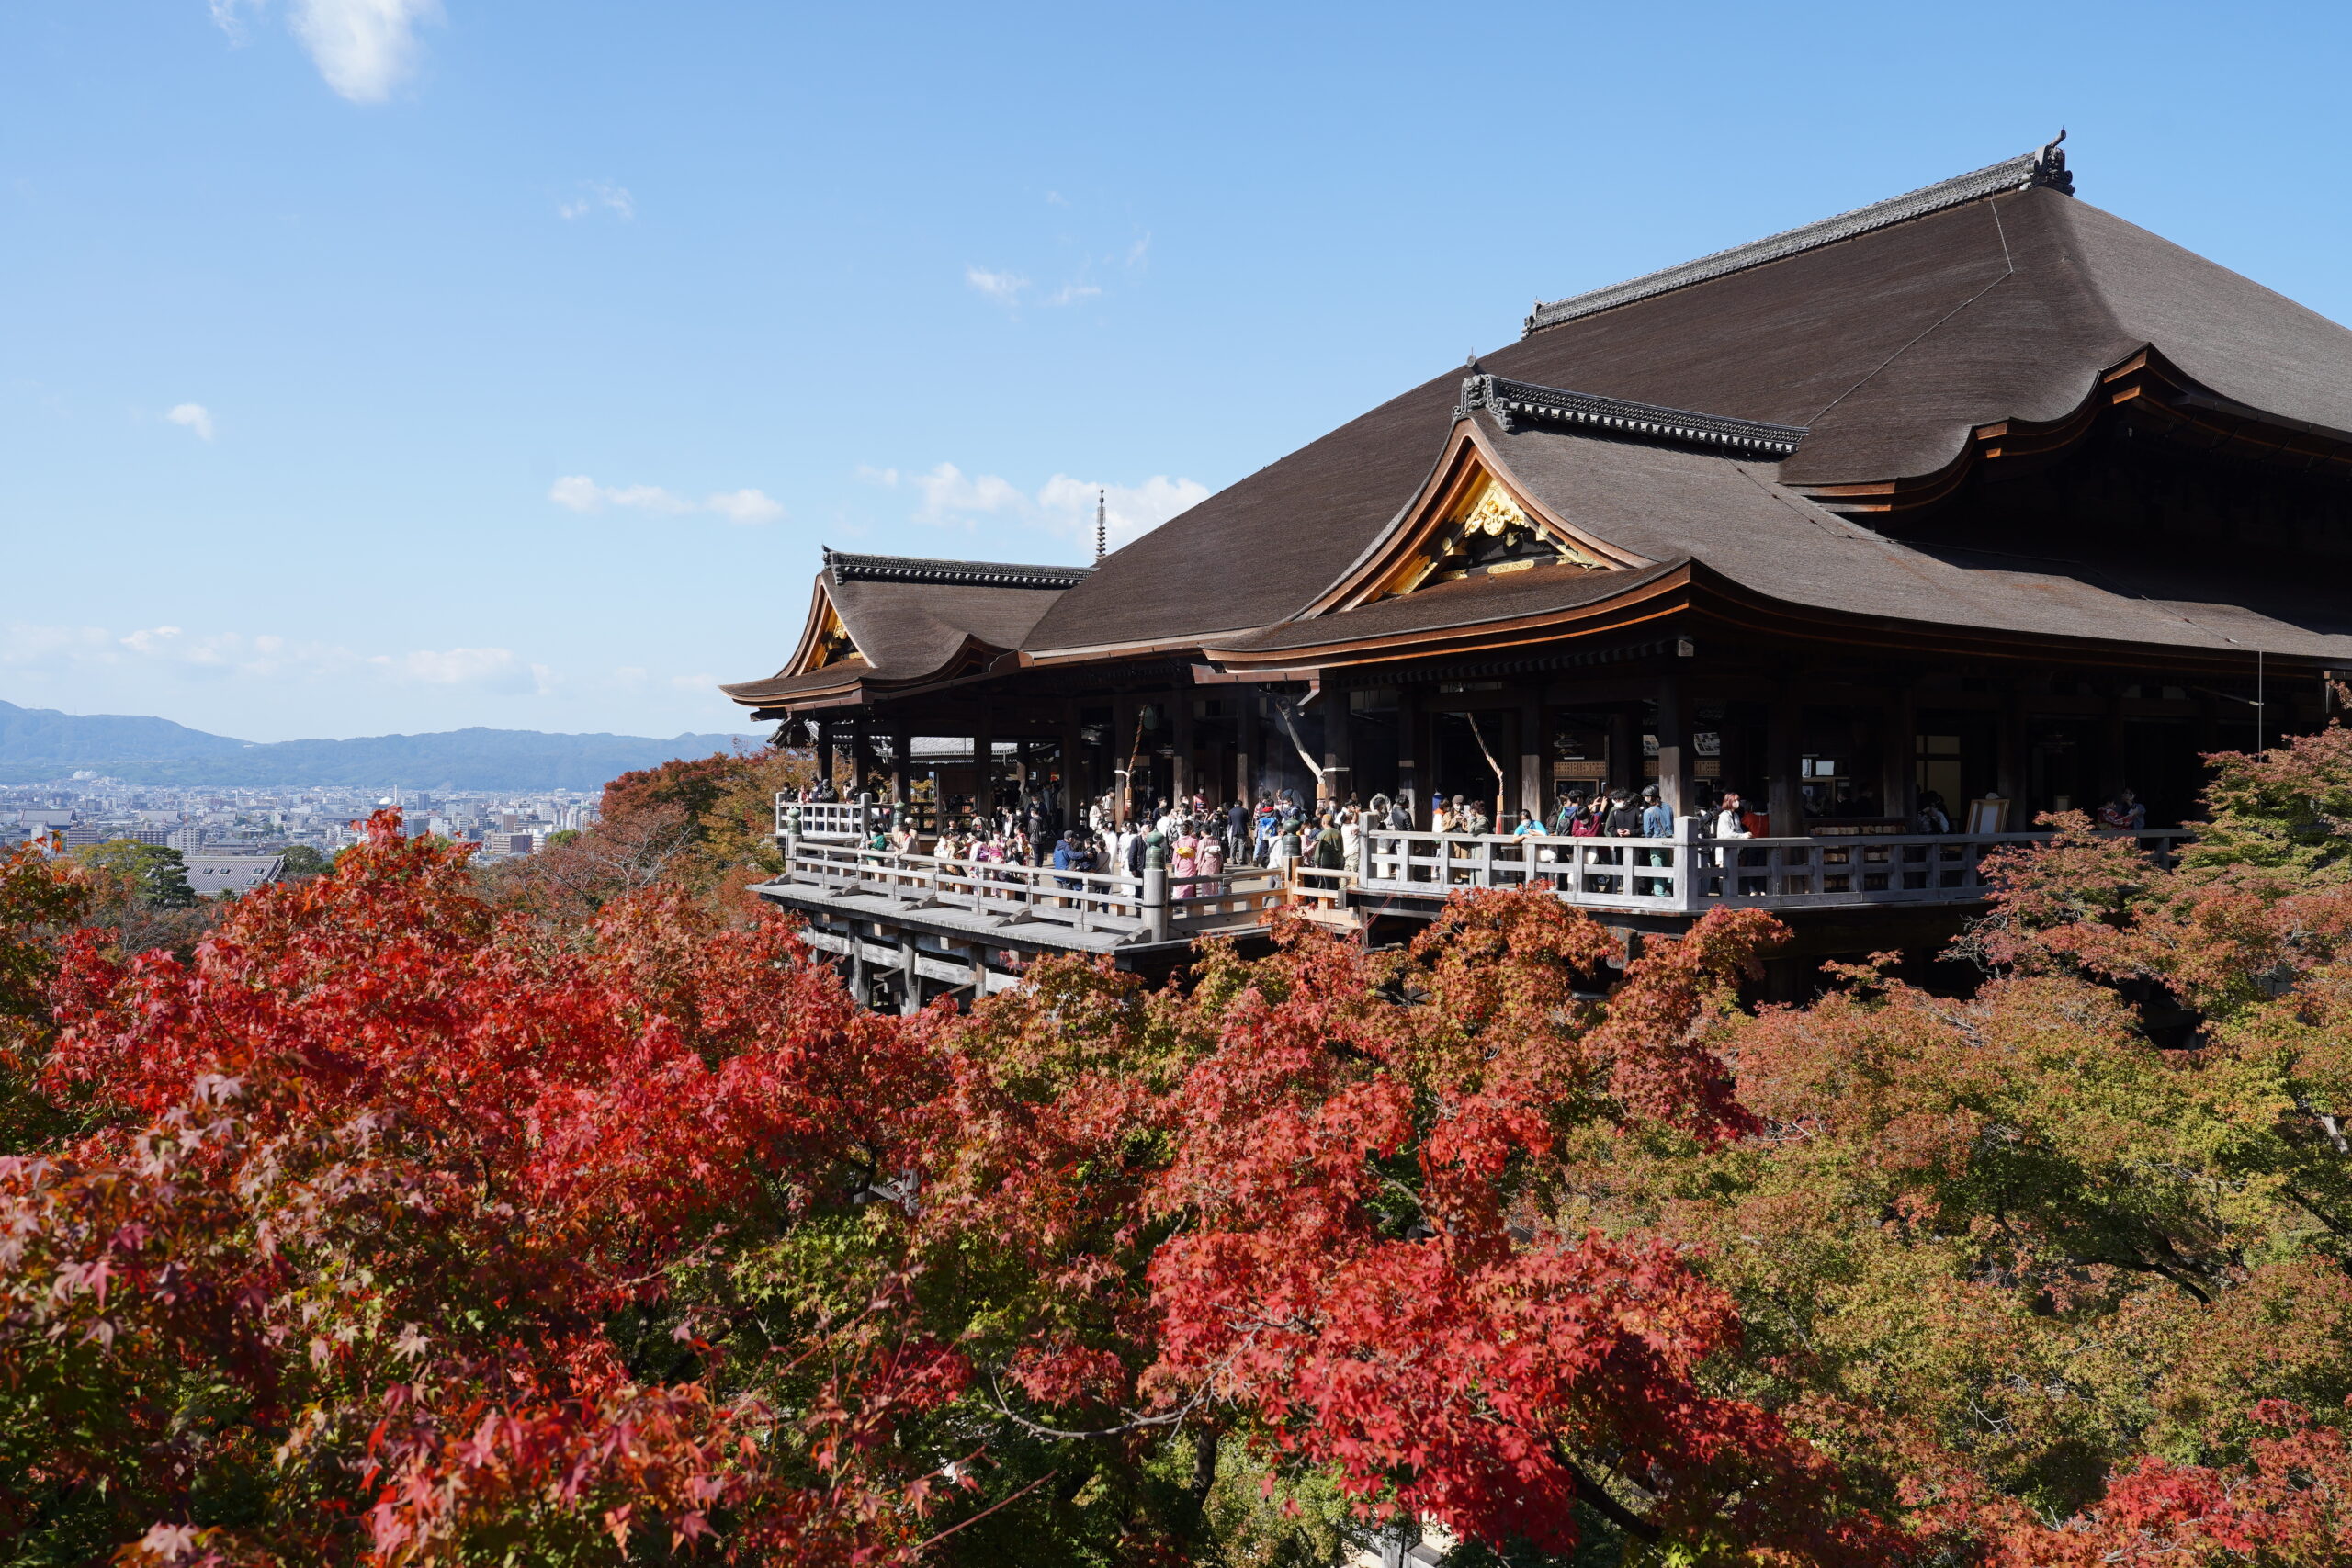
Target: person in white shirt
x,y
1729,817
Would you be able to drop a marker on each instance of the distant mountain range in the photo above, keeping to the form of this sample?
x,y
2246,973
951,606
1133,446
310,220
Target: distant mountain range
x,y
40,744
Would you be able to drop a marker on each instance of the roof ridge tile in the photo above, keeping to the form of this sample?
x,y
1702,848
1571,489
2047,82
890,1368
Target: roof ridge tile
x,y
848,568
2044,166
1512,402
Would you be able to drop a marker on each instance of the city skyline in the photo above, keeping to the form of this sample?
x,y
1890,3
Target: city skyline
x,y
404,366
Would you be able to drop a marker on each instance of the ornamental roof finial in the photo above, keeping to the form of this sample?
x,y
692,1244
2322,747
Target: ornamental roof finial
x,y
1102,525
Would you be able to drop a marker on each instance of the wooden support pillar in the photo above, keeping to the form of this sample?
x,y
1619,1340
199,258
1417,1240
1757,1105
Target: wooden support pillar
x,y
2110,751
1624,749
1073,788
825,751
2014,774
861,754
1410,785
910,982
1245,743
1338,748
1899,748
1783,746
1531,762
984,763
1673,743
1180,733
902,747
1126,757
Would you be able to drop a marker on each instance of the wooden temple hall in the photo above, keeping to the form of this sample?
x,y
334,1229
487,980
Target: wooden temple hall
x,y
1979,490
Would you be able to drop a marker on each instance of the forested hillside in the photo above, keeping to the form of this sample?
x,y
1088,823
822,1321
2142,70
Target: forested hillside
x,y
570,1212
38,744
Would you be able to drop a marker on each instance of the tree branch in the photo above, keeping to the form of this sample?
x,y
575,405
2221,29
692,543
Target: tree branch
x,y
1594,1496
984,1513
1133,1424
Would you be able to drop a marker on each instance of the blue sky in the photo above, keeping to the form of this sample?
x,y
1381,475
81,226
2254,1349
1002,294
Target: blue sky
x,y
384,364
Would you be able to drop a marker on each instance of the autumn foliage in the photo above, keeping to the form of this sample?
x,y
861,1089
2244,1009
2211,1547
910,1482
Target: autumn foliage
x,y
385,1228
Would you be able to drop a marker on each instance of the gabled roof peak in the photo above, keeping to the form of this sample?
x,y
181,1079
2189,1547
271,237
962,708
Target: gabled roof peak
x,y
848,568
2044,166
1513,402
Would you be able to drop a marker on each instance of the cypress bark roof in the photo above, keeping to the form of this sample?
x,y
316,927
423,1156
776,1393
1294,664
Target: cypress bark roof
x,y
1889,346
1674,506
912,619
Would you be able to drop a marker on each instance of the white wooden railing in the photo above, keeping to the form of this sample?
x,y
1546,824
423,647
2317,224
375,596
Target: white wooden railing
x,y
1690,874
829,821
1158,907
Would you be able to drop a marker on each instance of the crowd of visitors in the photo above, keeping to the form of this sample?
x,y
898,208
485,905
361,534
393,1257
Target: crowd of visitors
x,y
1201,838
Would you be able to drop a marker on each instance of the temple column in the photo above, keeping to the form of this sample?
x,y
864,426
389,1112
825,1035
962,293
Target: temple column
x,y
1338,748
1784,745
1531,761
2015,773
1124,757
1073,792
2110,749
1624,749
984,763
1899,745
1673,744
1245,745
1413,749
1179,730
902,746
861,752
825,751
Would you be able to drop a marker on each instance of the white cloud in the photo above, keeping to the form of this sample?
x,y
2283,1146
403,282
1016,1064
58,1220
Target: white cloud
x,y
363,48
260,655
1004,288
1067,506
195,417
745,506
949,496
1063,507
1071,293
600,193
581,493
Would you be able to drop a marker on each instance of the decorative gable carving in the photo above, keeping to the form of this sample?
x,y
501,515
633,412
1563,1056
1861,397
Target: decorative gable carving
x,y
1489,533
833,643
1470,518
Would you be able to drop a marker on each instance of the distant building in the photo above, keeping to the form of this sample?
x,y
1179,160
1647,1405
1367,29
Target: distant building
x,y
187,839
83,834
212,875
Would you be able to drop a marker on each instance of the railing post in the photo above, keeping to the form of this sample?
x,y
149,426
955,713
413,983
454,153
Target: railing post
x,y
791,843
1686,863
1155,902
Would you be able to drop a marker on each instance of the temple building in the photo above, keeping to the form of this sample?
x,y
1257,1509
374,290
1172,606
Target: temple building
x,y
1980,491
